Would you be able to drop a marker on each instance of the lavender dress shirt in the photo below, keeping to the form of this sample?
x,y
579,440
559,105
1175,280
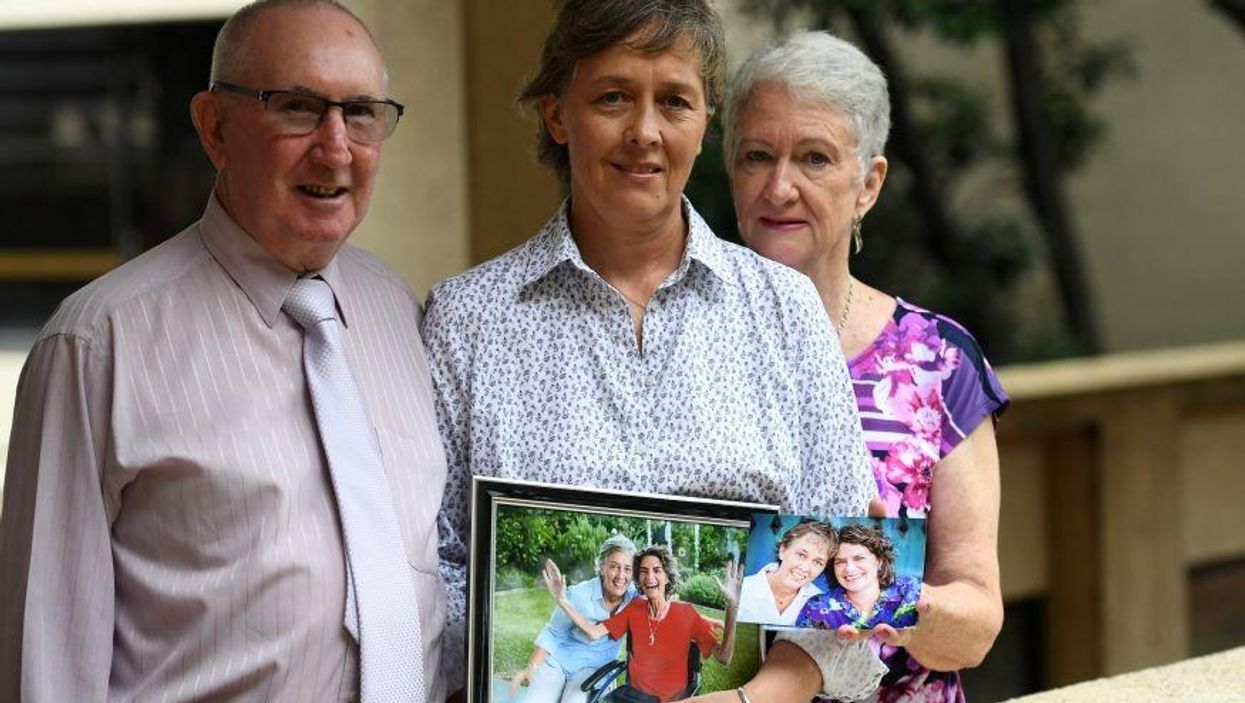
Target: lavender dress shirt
x,y
169,529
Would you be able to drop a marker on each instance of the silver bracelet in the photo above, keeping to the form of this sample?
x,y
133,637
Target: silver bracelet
x,y
743,695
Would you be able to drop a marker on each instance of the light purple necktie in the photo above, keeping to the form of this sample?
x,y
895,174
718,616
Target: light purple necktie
x,y
381,612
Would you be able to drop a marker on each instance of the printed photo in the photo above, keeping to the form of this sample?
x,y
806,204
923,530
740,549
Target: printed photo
x,y
807,572
579,595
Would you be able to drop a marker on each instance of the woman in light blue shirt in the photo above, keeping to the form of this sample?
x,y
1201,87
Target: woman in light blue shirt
x,y
564,656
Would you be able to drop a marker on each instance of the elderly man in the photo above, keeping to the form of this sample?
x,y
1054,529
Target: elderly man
x,y
224,471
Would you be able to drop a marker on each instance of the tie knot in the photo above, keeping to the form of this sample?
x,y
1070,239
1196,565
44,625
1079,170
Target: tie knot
x,y
310,302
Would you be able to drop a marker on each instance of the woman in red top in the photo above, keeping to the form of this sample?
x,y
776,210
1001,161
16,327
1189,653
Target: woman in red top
x,y
661,629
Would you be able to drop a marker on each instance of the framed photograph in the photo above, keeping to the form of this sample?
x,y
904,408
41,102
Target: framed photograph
x,y
520,640
825,573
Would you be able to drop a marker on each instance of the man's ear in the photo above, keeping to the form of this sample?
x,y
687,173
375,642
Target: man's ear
x,y
205,112
551,113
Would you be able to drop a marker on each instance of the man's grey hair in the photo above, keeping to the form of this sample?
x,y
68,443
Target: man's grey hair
x,y
231,53
612,545
820,69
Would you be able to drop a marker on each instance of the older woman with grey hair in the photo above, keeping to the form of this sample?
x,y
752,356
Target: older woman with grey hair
x,y
563,658
806,123
625,347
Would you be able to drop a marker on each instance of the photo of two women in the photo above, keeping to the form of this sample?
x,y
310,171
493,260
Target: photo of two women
x,y
838,574
591,607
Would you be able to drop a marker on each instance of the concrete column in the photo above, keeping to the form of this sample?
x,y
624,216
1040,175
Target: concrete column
x,y
1145,584
511,194
419,221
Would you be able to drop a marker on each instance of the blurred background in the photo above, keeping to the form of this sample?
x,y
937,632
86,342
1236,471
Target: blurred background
x,y
1067,179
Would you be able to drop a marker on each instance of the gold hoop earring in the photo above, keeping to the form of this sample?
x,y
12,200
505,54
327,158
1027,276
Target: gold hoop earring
x,y
857,240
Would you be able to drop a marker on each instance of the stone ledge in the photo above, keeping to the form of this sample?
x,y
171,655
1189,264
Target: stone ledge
x,y
1215,678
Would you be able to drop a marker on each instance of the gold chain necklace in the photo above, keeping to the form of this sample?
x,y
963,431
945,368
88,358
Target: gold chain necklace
x,y
654,623
847,307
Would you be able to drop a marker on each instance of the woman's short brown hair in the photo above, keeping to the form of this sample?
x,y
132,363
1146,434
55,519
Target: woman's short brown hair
x,y
585,28
810,527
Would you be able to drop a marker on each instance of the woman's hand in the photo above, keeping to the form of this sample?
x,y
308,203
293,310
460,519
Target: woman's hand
x,y
883,633
555,581
731,586
523,677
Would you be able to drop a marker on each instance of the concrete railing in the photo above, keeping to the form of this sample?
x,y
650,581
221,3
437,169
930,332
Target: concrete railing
x,y
1121,473
1212,679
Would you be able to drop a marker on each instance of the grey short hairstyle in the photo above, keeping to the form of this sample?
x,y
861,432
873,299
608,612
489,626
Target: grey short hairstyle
x,y
585,28
231,54
821,69
612,545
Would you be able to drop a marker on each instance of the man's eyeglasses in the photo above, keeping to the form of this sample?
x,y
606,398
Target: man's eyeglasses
x,y
299,113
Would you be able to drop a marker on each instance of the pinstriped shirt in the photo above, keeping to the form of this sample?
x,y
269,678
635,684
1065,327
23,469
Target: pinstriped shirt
x,y
169,528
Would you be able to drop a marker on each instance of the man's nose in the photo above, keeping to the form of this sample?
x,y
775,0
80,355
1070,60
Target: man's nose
x,y
332,138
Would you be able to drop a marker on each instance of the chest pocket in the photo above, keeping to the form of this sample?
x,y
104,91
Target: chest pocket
x,y
415,470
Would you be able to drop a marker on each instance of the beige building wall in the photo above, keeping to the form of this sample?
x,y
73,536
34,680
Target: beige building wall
x,y
511,193
1161,207
419,219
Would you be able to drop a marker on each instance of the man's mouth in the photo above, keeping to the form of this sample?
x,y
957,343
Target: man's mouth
x,y
325,192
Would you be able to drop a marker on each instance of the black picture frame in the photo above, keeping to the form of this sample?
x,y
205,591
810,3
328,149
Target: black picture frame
x,y
488,495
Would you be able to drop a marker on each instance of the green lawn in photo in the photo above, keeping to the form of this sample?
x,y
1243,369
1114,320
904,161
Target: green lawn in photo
x,y
520,614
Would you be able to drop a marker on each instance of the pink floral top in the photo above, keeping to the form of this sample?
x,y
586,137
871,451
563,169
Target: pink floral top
x,y
922,386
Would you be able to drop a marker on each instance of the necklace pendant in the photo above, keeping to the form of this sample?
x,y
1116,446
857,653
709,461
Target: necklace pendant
x,y
650,639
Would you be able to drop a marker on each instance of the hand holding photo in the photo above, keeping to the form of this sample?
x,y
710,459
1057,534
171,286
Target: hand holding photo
x,y
857,573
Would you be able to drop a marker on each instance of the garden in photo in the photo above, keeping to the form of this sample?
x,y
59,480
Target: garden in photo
x,y
526,537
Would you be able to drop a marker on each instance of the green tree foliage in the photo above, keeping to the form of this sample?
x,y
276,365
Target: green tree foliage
x,y
526,537
701,589
930,238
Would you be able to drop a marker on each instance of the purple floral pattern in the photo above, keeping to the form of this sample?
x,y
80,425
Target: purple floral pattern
x,y
921,387
896,606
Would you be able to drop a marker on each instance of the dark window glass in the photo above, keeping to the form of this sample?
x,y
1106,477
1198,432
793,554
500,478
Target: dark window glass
x,y
1014,666
1217,607
98,158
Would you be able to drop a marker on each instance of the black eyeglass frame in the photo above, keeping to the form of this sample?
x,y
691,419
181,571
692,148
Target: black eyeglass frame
x,y
264,95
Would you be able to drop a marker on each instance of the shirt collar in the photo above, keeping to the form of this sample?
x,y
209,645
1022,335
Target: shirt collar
x,y
262,277
555,245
